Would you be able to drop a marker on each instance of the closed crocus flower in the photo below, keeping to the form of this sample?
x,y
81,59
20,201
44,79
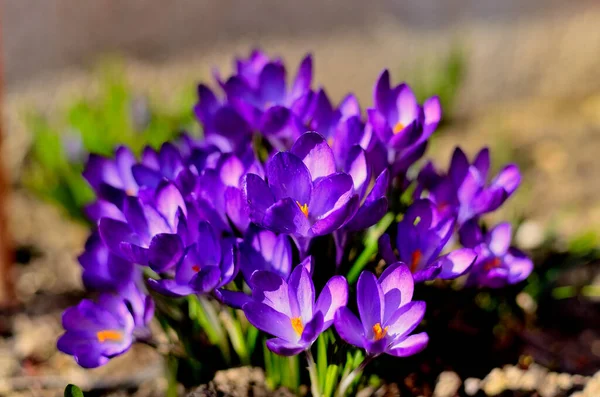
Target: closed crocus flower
x,y
303,195
387,315
422,235
97,331
288,310
465,190
208,264
498,264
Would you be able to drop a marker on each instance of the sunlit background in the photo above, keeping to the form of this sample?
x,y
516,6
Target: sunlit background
x,y
521,76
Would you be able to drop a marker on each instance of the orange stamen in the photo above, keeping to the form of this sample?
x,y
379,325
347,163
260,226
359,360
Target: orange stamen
x,y
303,208
196,268
297,325
109,335
379,332
130,192
415,259
492,264
398,127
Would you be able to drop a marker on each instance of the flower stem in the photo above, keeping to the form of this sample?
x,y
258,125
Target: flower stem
x,y
314,377
347,381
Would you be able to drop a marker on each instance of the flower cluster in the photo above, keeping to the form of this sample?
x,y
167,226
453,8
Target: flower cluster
x,y
242,214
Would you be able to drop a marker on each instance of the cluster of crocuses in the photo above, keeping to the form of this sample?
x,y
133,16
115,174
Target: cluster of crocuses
x,y
279,167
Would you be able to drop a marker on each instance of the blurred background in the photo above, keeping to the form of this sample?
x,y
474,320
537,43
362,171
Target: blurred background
x,y
522,76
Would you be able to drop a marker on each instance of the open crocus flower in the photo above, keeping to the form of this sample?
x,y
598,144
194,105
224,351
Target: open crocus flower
x,y
98,331
498,264
303,195
206,265
464,190
153,234
422,236
401,124
287,309
387,315
112,178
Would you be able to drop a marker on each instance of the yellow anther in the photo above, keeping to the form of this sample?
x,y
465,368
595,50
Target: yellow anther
x,y
398,127
303,208
297,325
109,335
379,332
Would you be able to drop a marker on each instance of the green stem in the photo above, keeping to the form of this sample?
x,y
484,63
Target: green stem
x,y
212,326
235,335
314,377
347,381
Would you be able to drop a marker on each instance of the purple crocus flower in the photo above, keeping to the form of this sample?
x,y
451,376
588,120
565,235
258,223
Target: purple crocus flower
x,y
401,124
97,331
103,270
303,195
422,235
112,178
387,315
498,264
464,189
207,265
271,91
154,234
287,309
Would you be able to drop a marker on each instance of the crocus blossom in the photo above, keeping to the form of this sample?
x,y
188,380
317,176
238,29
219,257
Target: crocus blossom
x,y
464,190
288,310
98,331
498,264
422,235
387,315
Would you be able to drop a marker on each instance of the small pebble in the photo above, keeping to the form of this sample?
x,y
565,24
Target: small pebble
x,y
447,385
472,386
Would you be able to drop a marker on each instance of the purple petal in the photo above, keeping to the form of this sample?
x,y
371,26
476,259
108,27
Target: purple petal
x,y
329,194
349,106
432,109
312,329
456,263
397,286
409,346
316,154
114,232
270,289
368,214
164,252
146,176
288,177
404,320
333,296
336,218
285,348
303,78
382,92
459,166
482,162
285,216
206,279
499,238
519,265
169,201
508,179
170,288
302,294
406,103
272,83
358,168
257,194
370,299
349,327
234,299
385,249
270,321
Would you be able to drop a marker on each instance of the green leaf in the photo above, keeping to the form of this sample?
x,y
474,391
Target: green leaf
x,y
73,391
